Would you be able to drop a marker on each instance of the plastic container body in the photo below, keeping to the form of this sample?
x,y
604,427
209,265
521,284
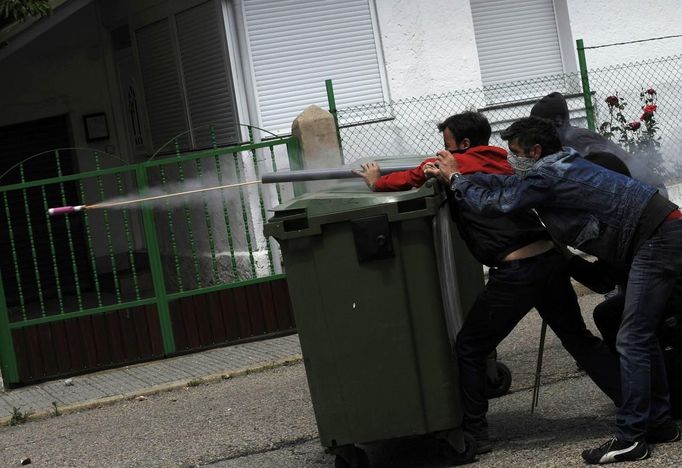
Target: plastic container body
x,y
366,283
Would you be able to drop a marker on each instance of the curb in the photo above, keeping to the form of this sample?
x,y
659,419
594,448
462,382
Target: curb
x,y
165,387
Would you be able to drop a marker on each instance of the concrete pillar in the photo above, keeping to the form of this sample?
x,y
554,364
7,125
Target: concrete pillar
x,y
316,133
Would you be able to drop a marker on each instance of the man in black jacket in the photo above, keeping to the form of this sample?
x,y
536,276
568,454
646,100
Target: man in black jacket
x,y
526,271
553,107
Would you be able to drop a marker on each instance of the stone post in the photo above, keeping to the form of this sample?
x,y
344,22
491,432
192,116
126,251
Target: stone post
x,y
319,143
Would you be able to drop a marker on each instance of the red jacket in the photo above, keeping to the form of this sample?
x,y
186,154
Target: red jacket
x,y
487,159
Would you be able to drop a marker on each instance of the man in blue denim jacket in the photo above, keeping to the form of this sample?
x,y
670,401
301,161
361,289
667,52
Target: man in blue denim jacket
x,y
617,219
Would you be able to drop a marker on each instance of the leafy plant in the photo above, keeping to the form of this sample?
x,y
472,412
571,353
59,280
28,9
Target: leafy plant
x,y
19,10
18,417
639,137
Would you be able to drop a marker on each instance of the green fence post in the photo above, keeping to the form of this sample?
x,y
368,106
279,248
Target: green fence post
x,y
295,163
156,267
587,93
332,110
8,360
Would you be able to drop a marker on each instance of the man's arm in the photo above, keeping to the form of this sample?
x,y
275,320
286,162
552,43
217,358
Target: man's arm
x,y
491,195
495,195
395,181
370,172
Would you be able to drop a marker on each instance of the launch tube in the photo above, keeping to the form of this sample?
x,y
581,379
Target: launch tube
x,y
323,174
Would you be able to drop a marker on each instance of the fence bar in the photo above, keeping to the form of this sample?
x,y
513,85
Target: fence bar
x,y
261,201
209,225
156,268
53,252
226,216
110,241
91,246
69,235
295,163
8,359
13,246
190,230
32,243
274,169
245,215
587,93
129,240
331,99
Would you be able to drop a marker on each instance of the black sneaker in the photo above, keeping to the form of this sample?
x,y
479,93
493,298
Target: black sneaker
x,y
616,450
664,433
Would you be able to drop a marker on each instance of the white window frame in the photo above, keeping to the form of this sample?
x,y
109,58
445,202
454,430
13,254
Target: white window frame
x,y
565,34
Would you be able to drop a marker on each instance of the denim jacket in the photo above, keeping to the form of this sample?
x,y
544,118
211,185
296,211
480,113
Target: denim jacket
x,y
581,204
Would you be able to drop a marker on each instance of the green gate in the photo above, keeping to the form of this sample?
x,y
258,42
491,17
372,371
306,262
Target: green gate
x,y
130,282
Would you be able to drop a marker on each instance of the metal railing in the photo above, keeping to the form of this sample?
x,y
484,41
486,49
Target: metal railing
x,y
103,259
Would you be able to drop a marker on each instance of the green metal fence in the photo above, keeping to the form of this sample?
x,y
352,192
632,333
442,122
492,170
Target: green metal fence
x,y
132,256
408,126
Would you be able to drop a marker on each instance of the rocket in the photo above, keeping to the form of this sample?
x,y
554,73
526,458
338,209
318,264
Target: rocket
x,y
65,209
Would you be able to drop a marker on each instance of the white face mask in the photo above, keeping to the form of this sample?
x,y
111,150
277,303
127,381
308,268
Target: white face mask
x,y
521,164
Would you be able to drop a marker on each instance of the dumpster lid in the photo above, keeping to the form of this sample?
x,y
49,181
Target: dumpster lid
x,y
351,199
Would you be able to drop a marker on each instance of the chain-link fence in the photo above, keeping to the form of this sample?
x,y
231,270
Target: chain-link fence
x,y
639,105
409,126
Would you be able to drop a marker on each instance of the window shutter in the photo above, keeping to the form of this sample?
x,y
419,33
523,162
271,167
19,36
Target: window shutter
x,y
163,96
197,94
205,67
295,46
516,39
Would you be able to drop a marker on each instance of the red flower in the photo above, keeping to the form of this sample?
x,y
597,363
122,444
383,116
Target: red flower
x,y
646,116
651,91
634,125
612,100
649,108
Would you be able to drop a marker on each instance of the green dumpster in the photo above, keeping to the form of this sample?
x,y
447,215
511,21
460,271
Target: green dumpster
x,y
379,283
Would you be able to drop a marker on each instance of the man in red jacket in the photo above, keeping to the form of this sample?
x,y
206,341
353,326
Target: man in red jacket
x,y
526,271
473,156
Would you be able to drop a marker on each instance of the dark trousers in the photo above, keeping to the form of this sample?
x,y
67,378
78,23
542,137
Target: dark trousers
x,y
607,318
513,290
654,270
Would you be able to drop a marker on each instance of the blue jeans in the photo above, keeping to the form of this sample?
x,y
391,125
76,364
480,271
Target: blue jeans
x,y
512,291
645,396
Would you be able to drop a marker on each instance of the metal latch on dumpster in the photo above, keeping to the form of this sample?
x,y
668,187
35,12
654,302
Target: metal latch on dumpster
x,y
372,237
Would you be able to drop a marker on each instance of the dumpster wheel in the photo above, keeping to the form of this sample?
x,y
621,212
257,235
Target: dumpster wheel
x,y
499,384
350,456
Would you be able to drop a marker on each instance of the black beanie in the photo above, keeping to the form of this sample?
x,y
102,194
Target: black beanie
x,y
550,107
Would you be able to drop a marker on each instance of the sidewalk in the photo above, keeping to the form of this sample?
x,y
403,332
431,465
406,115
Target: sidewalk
x,y
108,386
99,388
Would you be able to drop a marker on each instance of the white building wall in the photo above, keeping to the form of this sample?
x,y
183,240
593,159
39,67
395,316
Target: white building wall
x,y
611,21
429,46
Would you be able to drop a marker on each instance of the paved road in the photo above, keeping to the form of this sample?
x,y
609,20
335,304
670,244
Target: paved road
x,y
266,420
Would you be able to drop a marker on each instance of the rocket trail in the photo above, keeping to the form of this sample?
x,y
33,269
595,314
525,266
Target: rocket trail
x,y
72,209
269,178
